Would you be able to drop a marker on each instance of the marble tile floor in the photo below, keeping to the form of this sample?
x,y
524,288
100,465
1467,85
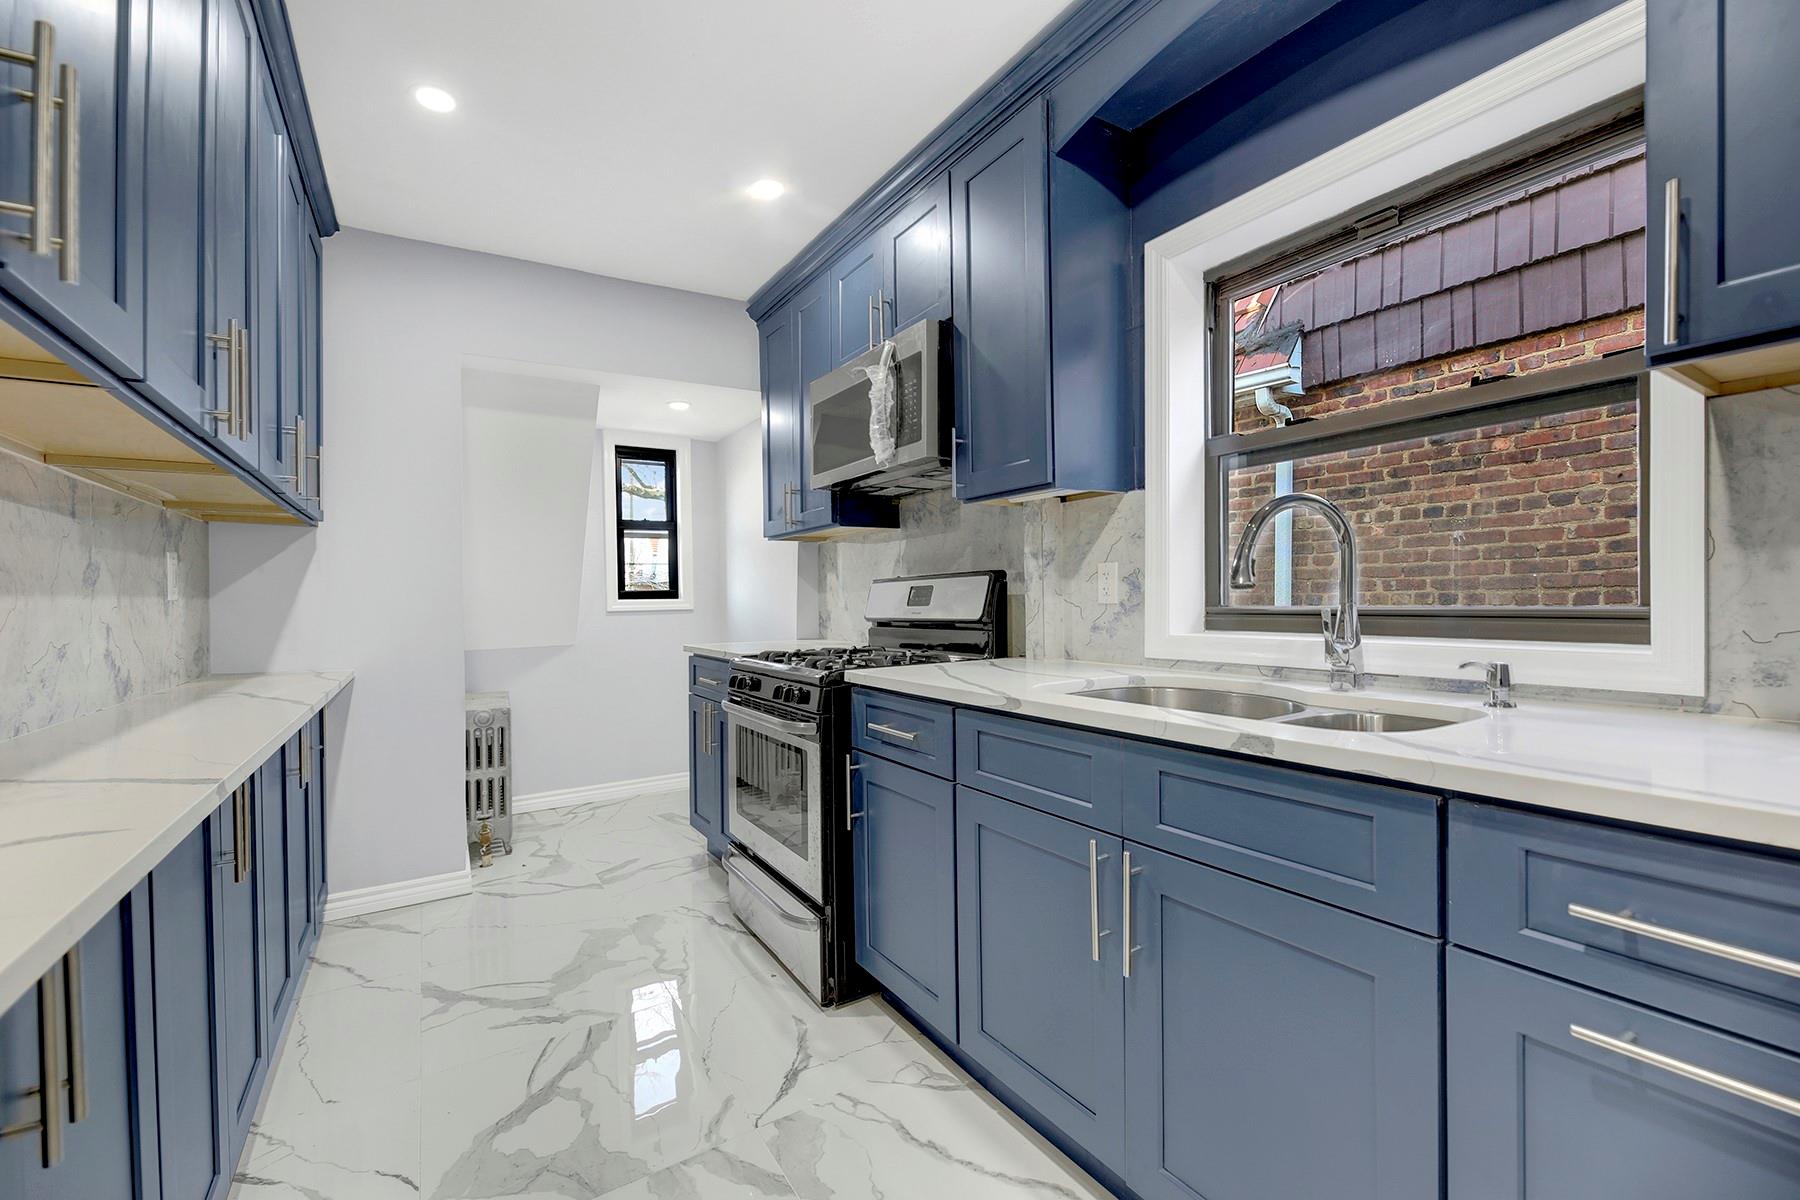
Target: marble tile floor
x,y
591,1021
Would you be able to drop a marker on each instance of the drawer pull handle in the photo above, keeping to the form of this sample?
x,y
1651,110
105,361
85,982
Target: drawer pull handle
x,y
1095,933
1724,1083
1672,261
890,731
1687,941
707,680
1125,901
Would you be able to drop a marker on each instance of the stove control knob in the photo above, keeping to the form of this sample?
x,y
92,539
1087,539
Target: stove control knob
x,y
802,696
785,692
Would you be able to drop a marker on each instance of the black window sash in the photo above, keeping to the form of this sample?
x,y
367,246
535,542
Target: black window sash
x,y
668,528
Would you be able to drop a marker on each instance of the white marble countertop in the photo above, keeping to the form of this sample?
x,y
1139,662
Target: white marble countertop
x,y
1728,777
90,806
733,649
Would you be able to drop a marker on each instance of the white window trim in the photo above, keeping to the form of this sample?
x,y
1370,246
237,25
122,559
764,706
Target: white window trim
x,y
684,524
1589,65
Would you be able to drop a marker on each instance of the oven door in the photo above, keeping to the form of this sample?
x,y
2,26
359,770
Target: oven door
x,y
773,786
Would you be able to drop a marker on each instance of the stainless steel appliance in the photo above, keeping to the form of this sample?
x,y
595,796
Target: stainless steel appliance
x,y
837,404
787,764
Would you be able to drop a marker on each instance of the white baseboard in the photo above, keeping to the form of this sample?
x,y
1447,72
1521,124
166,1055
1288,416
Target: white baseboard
x,y
358,901
565,797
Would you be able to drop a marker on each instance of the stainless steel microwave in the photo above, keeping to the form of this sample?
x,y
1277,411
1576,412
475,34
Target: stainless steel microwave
x,y
841,453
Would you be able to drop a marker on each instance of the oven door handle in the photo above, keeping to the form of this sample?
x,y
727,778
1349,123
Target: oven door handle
x,y
806,731
780,911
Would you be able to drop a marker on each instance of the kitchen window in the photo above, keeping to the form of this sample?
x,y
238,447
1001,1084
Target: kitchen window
x,y
1439,326
647,488
648,559
1465,381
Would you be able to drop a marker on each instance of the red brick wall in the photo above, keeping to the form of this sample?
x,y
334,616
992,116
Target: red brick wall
x,y
1539,513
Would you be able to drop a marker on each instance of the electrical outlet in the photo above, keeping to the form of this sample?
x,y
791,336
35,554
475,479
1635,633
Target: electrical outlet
x,y
1109,583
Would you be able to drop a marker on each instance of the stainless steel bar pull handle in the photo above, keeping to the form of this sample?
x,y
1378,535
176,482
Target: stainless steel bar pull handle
x,y
297,431
1129,949
69,185
1672,261
850,813
52,1039
1095,933
233,345
43,116
890,731
1628,1047
1627,923
78,1093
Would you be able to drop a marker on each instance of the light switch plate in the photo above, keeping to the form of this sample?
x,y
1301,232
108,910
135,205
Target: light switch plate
x,y
1109,583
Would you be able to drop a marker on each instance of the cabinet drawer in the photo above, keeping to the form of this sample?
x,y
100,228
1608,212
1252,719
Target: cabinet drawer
x,y
915,733
707,676
1061,771
1705,932
1556,1091
1361,846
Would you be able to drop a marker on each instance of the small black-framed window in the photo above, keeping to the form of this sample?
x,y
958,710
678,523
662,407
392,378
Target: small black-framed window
x,y
648,550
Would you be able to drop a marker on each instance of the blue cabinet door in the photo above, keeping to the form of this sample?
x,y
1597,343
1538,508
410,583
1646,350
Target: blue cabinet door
x,y
854,284
272,198
92,1001
915,258
1041,991
999,208
183,915
706,778
298,869
178,357
1550,1094
233,70
812,347
1720,98
1277,1046
240,950
280,970
781,415
904,854
315,816
296,221
312,398
94,296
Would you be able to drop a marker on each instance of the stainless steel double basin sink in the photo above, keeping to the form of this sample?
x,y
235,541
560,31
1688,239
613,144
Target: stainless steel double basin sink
x,y
1253,707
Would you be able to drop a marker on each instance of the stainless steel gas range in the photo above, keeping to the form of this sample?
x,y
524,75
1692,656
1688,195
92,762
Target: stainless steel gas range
x,y
787,767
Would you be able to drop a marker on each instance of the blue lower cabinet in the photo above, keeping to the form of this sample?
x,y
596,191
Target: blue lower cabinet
x,y
1041,1004
904,850
315,815
296,866
281,971
88,1000
706,772
1276,1047
243,1024
1557,1091
190,1115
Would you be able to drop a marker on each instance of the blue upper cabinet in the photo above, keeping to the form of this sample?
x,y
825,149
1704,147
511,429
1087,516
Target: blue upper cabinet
x,y
271,201
1554,1090
1720,100
93,1148
854,284
91,285
230,227
797,342
1000,268
1041,989
1277,1046
1039,257
178,367
915,259
904,849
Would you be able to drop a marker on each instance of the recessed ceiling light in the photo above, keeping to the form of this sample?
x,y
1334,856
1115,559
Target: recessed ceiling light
x,y
679,405
434,98
766,189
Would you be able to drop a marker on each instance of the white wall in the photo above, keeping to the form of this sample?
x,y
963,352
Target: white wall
x,y
762,578
612,706
526,464
377,587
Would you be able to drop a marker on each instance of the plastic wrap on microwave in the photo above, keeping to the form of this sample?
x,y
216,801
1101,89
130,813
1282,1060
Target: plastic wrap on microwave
x,y
884,418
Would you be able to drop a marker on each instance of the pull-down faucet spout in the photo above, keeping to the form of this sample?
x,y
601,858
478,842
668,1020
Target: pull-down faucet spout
x,y
1343,630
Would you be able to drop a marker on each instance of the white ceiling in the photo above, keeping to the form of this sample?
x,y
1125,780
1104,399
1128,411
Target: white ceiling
x,y
616,137
638,403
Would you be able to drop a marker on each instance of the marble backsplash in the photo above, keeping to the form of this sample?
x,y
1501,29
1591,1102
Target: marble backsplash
x,y
1052,552
89,613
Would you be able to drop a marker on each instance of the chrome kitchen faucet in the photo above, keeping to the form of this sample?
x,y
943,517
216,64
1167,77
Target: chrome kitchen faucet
x,y
1343,631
